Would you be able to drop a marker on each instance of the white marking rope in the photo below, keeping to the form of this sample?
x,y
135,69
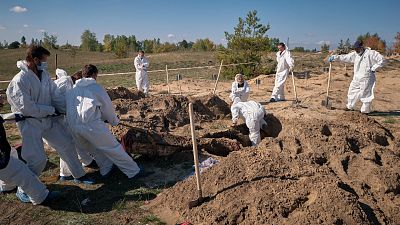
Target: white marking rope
x,y
163,70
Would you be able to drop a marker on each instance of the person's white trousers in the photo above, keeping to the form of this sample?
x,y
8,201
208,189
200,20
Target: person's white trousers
x,y
278,93
17,174
96,136
361,88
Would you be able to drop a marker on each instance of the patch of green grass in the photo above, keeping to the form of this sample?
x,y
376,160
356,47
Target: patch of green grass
x,y
152,219
119,205
390,120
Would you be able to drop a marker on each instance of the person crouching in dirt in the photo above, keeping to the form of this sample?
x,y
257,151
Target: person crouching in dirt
x,y
240,89
89,159
88,107
253,113
15,173
366,62
142,79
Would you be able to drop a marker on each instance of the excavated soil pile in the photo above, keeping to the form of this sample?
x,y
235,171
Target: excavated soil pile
x,y
146,123
338,170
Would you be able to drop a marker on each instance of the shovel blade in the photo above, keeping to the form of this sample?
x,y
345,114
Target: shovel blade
x,y
327,104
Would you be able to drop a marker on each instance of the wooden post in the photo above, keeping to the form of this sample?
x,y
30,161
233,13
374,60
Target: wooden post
x,y
195,152
56,59
216,82
166,71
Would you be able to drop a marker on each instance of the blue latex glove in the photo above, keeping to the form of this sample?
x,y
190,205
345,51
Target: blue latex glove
x,y
331,58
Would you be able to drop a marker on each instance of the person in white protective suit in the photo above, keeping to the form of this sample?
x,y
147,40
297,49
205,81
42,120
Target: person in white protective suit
x,y
253,113
240,89
15,173
285,65
366,62
142,79
64,84
88,107
32,93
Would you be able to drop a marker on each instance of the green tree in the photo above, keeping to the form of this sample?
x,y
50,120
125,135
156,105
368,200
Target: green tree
x,y
23,41
109,42
325,48
49,41
14,45
203,45
246,44
89,41
298,49
121,46
340,47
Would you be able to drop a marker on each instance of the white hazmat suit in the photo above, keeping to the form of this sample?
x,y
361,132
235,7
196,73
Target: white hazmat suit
x,y
64,84
239,94
34,97
142,79
285,64
363,83
88,106
253,113
16,173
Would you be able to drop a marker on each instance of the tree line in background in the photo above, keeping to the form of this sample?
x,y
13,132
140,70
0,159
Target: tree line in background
x,y
248,43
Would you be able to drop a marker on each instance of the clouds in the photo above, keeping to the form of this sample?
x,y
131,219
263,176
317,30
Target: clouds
x,y
2,27
171,35
41,30
26,25
323,42
18,9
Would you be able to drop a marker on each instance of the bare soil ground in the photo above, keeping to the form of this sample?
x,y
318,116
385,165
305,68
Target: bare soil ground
x,y
314,166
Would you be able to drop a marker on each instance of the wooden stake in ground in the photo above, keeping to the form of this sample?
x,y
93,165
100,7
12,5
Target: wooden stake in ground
x,y
296,101
166,71
56,64
326,102
179,77
216,82
199,199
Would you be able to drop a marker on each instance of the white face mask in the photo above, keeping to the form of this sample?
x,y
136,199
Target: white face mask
x,y
42,66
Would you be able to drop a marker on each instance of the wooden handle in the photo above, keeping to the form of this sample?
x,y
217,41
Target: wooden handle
x,y
294,87
216,82
166,71
329,80
195,152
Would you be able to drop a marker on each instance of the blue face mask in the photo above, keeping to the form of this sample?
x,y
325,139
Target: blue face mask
x,y
42,66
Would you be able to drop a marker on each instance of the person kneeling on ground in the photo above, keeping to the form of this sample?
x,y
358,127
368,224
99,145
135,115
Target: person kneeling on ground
x,y
88,107
14,172
240,89
253,113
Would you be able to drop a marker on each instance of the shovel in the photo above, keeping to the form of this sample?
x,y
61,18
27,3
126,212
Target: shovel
x,y
296,101
326,102
200,198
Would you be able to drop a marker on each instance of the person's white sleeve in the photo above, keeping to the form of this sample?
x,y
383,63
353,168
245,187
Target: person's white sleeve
x,y
233,88
377,60
235,112
347,58
137,64
289,59
107,108
57,97
146,63
247,90
19,97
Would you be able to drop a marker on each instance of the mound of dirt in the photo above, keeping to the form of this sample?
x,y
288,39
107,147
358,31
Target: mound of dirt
x,y
167,112
338,170
124,93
